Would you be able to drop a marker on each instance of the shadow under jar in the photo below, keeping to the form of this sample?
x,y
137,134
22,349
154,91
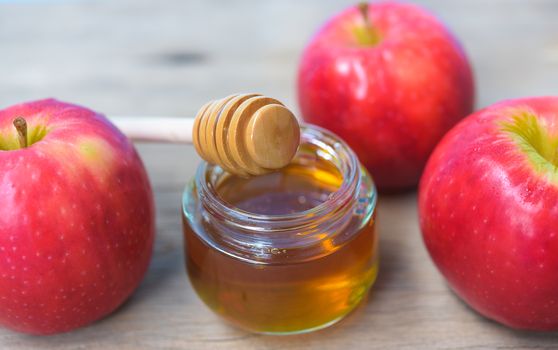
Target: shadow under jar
x,y
287,252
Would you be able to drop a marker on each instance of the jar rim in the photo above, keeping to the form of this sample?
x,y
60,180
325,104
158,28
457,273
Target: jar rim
x,y
263,239
330,147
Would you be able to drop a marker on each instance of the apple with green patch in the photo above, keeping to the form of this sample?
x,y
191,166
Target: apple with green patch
x,y
391,80
76,217
488,205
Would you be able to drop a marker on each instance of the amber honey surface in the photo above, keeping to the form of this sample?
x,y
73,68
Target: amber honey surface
x,y
278,296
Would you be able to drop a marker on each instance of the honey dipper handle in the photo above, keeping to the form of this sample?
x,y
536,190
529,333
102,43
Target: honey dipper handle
x,y
155,129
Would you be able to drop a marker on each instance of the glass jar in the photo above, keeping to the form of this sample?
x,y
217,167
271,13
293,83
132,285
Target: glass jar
x,y
288,252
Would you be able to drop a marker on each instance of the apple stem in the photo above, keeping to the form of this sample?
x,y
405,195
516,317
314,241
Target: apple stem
x,y
366,35
363,7
21,127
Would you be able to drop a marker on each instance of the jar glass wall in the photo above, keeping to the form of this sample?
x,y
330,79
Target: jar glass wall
x,y
286,252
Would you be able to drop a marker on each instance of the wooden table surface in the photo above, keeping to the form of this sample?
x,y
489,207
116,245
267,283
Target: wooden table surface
x,y
169,57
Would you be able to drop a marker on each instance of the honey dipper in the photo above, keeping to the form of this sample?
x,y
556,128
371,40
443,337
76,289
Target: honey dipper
x,y
245,134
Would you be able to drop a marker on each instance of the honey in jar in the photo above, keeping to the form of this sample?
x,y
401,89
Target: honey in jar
x,y
286,252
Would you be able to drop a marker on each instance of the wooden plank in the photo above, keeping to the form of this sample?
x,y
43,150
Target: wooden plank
x,y
171,56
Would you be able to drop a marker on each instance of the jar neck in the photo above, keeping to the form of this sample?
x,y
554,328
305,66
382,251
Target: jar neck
x,y
259,237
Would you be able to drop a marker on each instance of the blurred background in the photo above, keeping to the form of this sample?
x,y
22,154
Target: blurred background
x,y
145,57
171,56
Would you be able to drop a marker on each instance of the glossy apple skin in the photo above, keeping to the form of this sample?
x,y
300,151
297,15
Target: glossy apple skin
x,y
76,220
490,220
392,102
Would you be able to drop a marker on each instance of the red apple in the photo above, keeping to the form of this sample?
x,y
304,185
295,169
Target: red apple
x,y
76,218
391,80
488,205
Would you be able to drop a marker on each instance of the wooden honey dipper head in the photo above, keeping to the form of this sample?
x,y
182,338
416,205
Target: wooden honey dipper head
x,y
246,134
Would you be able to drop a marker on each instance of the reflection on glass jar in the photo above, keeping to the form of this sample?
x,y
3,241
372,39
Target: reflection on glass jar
x,y
286,252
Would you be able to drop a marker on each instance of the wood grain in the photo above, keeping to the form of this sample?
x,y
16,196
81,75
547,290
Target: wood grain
x,y
132,57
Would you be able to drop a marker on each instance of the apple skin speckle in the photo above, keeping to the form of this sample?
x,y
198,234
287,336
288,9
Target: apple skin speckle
x,y
489,216
72,248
